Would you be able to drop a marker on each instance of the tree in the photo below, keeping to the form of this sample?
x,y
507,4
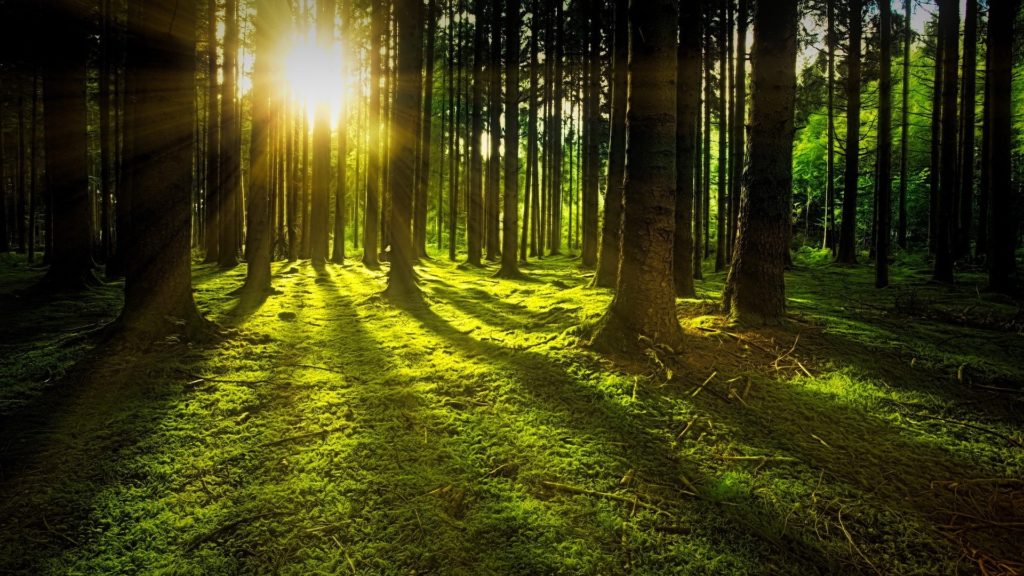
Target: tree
x,y
592,126
474,208
949,35
1002,262
847,253
492,193
212,231
158,275
883,174
426,124
936,145
319,219
509,257
736,135
687,112
965,172
644,302
901,226
258,238
341,189
611,232
755,290
829,240
373,163
230,143
404,138
66,146
722,218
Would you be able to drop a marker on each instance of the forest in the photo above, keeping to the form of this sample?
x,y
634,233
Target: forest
x,y
511,287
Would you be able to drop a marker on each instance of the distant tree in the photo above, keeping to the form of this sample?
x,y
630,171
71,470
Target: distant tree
x,y
66,145
474,224
739,120
829,223
755,290
510,223
230,145
592,126
492,192
341,188
722,218
644,303
421,204
1002,242
211,234
901,226
611,233
373,164
847,253
883,173
319,222
687,113
936,144
964,207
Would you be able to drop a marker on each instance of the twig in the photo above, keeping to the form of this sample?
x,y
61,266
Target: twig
x,y
788,352
989,431
584,491
854,544
701,387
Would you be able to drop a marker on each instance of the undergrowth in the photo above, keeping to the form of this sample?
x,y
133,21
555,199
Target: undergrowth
x,y
877,432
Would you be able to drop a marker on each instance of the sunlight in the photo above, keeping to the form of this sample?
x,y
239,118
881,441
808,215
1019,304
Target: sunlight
x,y
313,75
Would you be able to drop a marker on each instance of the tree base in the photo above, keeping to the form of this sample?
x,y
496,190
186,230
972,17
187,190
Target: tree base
x,y
613,335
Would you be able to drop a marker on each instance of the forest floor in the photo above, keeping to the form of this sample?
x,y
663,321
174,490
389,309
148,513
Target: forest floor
x,y
877,432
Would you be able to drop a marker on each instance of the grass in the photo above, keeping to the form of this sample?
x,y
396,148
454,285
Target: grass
x,y
877,432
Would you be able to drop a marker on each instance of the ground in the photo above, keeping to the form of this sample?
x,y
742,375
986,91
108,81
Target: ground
x,y
877,432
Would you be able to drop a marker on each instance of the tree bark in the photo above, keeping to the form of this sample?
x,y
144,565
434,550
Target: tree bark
x,y
883,173
847,253
371,212
965,196
643,311
474,207
755,290
901,220
212,223
722,210
426,124
687,113
611,234
949,32
1003,237
510,223
231,146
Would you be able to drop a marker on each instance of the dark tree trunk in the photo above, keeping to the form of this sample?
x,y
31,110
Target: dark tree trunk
x,y
847,253
372,210
558,94
755,291
611,235
230,145
949,28
426,124
212,231
258,231
706,169
510,223
592,92
530,198
475,210
936,146
106,105
722,218
738,120
829,222
965,210
492,194
320,197
883,174
66,147
687,113
901,220
984,184
644,306
158,285
293,184
404,139
697,256
1003,239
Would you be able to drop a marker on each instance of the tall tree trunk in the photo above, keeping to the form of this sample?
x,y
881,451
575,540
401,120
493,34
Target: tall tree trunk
x,y
320,196
722,218
158,284
1003,239
474,216
755,291
984,184
965,211
687,113
293,182
611,235
738,126
492,194
106,190
591,180
644,306
847,253
426,124
230,144
371,212
901,219
258,231
66,146
708,98
829,222
341,188
697,253
212,232
936,145
530,198
949,32
404,139
510,223
558,94
883,174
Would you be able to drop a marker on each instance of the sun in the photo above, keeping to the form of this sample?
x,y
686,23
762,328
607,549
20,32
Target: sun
x,y
313,75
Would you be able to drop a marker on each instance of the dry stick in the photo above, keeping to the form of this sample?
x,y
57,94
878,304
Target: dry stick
x,y
701,387
577,490
1012,441
788,352
854,544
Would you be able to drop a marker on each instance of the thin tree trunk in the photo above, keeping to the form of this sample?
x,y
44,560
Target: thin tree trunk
x,y
426,124
883,212
721,241
230,151
965,211
611,236
901,220
949,28
1003,239
213,181
936,145
847,253
371,212
829,241
474,216
510,223
687,113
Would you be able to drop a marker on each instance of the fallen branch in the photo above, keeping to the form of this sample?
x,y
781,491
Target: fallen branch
x,y
701,387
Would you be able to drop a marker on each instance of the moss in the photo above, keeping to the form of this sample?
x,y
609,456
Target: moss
x,y
338,434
